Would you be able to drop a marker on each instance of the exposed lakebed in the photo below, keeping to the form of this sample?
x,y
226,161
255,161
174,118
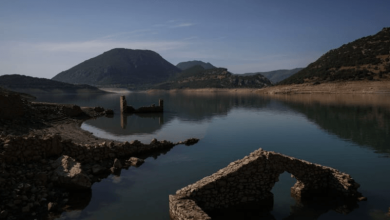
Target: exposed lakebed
x,y
348,132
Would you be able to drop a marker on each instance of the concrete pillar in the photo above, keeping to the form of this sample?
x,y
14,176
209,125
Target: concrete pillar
x,y
123,104
161,103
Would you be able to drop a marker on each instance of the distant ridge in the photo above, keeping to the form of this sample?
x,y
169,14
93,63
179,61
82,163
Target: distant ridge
x,y
189,64
276,76
120,67
28,84
367,58
197,77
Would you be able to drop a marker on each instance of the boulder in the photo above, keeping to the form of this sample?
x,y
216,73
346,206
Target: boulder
x,y
69,174
117,164
134,161
154,141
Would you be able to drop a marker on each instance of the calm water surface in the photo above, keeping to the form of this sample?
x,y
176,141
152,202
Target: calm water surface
x,y
349,133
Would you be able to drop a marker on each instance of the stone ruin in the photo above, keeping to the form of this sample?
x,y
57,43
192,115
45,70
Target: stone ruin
x,y
146,109
250,181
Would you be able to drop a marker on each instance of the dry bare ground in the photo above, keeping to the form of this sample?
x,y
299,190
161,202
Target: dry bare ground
x,y
351,87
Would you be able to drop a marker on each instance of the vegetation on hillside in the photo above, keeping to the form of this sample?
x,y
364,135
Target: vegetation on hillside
x,y
367,58
276,76
198,77
23,83
189,64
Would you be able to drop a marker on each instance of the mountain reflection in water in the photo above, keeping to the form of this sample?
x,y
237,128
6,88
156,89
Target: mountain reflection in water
x,y
362,119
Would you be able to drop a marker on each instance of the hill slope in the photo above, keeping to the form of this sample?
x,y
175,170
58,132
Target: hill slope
x,y
198,77
189,64
367,58
120,67
276,76
28,84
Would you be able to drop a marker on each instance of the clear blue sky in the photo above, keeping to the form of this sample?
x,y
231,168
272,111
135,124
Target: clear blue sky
x,y
43,38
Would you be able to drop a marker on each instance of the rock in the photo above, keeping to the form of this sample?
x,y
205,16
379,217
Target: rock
x,y
3,214
154,141
51,206
98,109
117,164
190,141
135,142
109,112
70,174
135,161
97,169
41,178
26,208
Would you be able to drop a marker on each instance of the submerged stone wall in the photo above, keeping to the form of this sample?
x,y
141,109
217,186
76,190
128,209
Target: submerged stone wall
x,y
146,109
251,180
33,148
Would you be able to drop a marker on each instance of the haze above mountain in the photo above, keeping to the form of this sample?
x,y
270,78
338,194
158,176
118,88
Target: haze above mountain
x,y
367,58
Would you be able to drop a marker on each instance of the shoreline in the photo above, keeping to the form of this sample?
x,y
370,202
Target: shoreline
x,y
47,160
350,87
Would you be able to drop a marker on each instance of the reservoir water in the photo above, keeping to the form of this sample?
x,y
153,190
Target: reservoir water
x,y
348,132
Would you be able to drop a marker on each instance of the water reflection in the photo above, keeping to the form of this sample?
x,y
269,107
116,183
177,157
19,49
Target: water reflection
x,y
149,120
362,119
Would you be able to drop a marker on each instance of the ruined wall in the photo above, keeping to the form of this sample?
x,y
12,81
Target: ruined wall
x,y
145,109
33,148
251,180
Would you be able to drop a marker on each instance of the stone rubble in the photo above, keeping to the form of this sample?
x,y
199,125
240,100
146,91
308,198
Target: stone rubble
x,y
37,172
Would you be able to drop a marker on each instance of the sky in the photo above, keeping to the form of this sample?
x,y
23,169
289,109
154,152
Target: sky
x,y
43,38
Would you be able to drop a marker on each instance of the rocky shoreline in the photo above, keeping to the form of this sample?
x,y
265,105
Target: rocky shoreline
x,y
46,159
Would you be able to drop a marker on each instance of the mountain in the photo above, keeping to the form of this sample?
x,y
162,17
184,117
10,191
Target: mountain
x,y
276,76
28,84
120,67
189,64
367,58
198,77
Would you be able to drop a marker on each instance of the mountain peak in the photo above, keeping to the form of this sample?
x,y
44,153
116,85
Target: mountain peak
x,y
189,64
120,66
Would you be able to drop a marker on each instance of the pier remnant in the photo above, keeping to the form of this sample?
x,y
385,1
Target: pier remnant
x,y
146,109
251,179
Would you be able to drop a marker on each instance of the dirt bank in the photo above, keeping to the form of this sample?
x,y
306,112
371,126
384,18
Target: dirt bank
x,y
350,87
